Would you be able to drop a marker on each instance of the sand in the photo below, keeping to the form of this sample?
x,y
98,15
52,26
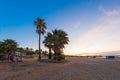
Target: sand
x,y
76,69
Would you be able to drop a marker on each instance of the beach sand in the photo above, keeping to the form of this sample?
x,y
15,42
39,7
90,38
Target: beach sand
x,y
76,69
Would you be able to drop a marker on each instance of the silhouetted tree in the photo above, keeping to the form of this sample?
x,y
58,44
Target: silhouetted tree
x,y
40,29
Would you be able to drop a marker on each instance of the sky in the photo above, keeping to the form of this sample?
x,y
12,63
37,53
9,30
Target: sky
x,y
91,25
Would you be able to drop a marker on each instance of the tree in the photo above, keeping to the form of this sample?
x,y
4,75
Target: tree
x,y
48,42
10,45
2,47
40,29
60,38
29,51
57,41
20,49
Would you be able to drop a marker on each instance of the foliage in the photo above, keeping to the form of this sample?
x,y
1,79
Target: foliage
x,y
40,26
45,53
40,29
48,42
61,57
7,46
11,45
2,47
59,40
29,51
56,40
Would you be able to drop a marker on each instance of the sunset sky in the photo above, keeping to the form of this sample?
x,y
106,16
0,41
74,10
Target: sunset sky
x,y
92,25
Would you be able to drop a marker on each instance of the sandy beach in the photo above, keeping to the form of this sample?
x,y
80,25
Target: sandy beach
x,y
76,69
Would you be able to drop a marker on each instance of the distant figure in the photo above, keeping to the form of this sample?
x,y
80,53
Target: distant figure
x,y
11,57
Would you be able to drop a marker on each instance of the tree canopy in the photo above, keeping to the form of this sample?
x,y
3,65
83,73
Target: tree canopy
x,y
56,40
8,45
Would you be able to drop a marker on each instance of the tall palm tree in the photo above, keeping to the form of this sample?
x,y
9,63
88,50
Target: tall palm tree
x,y
40,29
48,42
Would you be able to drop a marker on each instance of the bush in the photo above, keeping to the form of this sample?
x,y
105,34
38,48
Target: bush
x,y
61,57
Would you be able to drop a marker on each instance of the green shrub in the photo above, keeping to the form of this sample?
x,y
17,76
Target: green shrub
x,y
61,57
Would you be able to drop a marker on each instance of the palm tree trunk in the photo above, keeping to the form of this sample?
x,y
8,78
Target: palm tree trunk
x,y
39,48
50,55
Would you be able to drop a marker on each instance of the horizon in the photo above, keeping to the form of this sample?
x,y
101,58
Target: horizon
x,y
106,53
92,26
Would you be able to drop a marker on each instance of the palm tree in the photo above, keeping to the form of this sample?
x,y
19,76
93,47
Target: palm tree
x,y
40,29
60,38
56,40
10,45
7,46
48,42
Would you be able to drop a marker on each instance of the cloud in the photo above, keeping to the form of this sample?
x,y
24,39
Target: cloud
x,y
103,36
109,12
107,23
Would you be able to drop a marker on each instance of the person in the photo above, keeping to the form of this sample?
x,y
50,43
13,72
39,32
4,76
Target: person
x,y
11,57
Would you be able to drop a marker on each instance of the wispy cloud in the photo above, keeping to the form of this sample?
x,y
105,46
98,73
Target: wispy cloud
x,y
104,35
111,17
113,12
106,24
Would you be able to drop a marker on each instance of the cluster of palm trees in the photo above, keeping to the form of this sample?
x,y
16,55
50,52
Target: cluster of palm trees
x,y
9,45
55,40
